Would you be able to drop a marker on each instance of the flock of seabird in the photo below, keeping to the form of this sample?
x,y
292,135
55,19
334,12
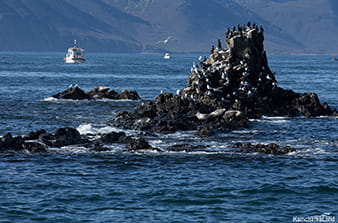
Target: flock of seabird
x,y
241,29
219,77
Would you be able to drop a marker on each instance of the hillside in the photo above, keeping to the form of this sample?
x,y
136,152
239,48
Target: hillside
x,y
137,25
313,23
43,25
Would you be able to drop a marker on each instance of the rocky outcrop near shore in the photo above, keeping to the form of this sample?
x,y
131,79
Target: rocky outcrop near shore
x,y
223,91
40,141
75,93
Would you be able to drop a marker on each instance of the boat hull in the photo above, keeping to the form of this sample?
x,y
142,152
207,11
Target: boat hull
x,y
167,56
70,60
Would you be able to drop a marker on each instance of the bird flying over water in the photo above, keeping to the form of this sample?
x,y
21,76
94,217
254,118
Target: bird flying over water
x,y
164,41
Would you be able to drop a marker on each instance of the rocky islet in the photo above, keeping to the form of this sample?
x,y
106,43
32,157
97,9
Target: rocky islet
x,y
99,92
223,92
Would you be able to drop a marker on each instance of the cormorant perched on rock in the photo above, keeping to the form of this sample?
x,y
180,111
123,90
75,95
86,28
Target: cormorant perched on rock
x,y
261,29
239,27
254,26
234,28
248,24
228,32
212,49
219,44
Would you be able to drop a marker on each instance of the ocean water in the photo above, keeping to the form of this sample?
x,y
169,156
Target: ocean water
x,y
72,184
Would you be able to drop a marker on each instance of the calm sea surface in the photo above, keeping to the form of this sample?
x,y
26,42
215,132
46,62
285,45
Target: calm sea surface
x,y
73,184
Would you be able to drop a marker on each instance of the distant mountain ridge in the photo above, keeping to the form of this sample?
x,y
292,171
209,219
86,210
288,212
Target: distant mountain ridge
x,y
291,26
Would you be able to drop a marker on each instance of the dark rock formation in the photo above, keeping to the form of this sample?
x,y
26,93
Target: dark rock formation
x,y
269,149
140,144
115,137
62,137
170,113
105,92
9,143
223,91
229,87
34,147
34,135
75,93
98,147
239,78
129,95
40,140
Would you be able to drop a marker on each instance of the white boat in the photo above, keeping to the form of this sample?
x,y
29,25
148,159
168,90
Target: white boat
x,y
167,56
75,55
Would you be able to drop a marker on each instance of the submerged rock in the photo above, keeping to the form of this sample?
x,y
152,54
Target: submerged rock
x,y
40,140
75,93
140,144
115,137
8,143
69,136
269,149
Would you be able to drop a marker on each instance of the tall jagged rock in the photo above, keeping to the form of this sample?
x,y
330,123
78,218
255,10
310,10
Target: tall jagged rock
x,y
223,91
239,78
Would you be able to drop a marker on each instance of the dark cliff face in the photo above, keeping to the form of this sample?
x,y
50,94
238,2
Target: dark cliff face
x,y
136,25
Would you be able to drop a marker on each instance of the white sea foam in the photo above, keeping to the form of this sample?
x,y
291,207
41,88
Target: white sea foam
x,y
50,99
244,131
114,100
278,119
85,129
180,135
308,152
273,117
90,129
69,149
76,149
157,143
